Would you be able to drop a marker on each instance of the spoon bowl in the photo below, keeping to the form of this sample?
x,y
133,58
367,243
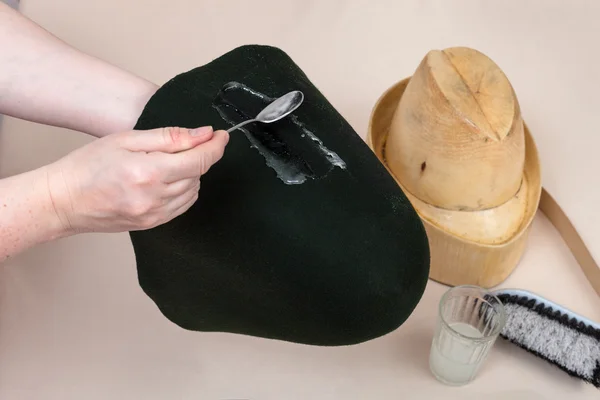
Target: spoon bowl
x,y
276,110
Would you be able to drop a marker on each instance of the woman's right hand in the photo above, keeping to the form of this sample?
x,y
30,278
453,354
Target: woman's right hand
x,y
134,180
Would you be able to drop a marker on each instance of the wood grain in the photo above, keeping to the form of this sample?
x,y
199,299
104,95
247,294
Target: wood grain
x,y
477,243
458,141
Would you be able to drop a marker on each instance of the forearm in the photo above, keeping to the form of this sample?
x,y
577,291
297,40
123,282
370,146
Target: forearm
x,y
44,80
27,215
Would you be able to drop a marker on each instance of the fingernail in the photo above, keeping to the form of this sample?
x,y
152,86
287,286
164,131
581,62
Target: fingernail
x,y
227,136
202,131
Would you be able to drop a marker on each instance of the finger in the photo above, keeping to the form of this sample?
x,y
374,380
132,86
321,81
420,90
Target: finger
x,y
194,162
166,140
184,207
178,188
181,204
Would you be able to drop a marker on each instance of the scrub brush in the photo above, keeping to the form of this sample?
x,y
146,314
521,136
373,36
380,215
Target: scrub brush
x,y
548,330
553,333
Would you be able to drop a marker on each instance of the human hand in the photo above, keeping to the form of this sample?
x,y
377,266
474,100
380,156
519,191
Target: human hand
x,y
134,180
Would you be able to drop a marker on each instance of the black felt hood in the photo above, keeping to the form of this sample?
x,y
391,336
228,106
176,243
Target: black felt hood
x,y
299,233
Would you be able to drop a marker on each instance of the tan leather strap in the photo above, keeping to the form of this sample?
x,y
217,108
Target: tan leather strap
x,y
569,234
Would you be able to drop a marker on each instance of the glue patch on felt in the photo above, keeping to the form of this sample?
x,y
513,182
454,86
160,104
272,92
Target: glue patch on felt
x,y
288,146
299,233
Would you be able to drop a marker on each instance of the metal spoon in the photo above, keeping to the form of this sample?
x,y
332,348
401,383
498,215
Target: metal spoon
x,y
277,110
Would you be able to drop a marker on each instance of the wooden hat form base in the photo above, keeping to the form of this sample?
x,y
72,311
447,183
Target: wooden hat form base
x,y
457,258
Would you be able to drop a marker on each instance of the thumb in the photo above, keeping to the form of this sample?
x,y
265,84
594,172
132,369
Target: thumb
x,y
166,140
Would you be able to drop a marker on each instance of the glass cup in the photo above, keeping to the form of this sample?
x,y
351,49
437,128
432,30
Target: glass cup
x,y
469,321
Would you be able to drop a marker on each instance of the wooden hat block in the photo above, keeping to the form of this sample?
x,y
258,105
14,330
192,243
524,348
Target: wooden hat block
x,y
453,137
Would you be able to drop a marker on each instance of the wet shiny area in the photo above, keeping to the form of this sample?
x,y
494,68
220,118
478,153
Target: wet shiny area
x,y
288,146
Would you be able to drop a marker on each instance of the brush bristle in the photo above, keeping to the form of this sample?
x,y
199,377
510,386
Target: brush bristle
x,y
570,344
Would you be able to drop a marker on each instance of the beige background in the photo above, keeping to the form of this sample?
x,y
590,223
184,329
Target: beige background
x,y
75,325
12,3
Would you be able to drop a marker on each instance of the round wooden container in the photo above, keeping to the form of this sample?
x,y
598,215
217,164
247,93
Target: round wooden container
x,y
453,138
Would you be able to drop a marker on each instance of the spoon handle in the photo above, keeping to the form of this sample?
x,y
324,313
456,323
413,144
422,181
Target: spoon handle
x,y
240,125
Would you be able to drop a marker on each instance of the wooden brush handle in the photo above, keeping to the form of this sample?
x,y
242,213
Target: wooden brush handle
x,y
569,234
